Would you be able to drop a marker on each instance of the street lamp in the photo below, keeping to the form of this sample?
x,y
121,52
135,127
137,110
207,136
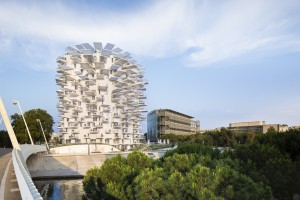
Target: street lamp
x,y
38,120
17,103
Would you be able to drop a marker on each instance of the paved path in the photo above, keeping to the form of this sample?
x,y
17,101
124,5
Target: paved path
x,y
9,188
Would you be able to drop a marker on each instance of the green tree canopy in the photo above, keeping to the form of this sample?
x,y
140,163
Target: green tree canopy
x,y
4,139
114,179
31,117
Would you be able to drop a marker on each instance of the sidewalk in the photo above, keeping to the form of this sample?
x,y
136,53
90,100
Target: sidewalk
x,y
9,185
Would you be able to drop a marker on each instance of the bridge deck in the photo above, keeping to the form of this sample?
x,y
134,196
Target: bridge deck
x,y
9,186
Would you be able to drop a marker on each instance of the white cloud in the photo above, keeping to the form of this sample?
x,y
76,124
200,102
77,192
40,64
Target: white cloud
x,y
215,30
243,27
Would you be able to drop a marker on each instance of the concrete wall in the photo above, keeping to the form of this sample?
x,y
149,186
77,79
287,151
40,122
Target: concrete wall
x,y
55,166
65,165
83,149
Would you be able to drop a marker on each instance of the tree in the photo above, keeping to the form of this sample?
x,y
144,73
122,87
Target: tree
x,y
275,169
4,139
150,184
271,130
31,117
114,179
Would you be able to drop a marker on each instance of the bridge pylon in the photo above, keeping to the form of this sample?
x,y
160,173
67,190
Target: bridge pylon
x,y
8,126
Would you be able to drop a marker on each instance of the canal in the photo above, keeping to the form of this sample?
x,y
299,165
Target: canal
x,y
60,189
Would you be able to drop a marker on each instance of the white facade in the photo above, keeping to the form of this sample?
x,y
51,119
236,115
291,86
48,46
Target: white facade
x,y
100,96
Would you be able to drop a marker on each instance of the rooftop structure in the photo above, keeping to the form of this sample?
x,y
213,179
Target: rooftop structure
x,y
166,121
100,95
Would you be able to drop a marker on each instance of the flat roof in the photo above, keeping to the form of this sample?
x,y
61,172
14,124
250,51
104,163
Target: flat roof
x,y
172,111
244,124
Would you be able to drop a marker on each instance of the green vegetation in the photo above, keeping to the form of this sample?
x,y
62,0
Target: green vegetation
x,y
4,139
254,166
34,127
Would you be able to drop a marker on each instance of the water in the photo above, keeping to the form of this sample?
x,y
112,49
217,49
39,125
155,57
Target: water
x,y
62,189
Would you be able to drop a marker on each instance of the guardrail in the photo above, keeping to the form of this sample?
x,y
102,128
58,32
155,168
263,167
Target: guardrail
x,y
26,185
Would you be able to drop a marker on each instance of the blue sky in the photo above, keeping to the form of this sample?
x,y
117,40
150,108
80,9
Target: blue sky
x,y
219,61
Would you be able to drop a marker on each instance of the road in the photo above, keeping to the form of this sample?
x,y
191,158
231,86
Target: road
x,y
9,188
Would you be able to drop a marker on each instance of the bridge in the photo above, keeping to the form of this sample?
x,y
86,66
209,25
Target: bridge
x,y
24,162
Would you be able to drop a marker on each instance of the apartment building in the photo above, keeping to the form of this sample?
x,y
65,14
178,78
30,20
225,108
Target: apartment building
x,y
256,126
166,121
100,95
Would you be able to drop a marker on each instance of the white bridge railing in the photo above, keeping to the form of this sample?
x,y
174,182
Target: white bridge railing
x,y
26,185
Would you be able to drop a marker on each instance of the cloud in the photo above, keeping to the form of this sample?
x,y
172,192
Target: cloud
x,y
243,27
216,31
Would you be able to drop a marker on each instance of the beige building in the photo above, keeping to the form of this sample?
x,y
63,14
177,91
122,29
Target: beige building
x,y
166,121
256,126
100,96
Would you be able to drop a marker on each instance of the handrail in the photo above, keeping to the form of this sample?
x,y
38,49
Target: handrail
x,y
26,185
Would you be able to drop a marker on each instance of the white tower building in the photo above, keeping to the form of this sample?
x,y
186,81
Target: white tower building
x,y
100,96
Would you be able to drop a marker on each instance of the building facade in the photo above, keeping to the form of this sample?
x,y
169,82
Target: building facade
x,y
100,96
166,121
256,126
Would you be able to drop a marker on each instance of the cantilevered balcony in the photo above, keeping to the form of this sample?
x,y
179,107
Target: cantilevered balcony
x,y
64,68
120,61
61,60
100,76
117,127
113,78
90,82
90,93
59,91
114,67
120,106
85,65
118,136
100,98
104,71
99,126
105,120
119,84
77,109
89,57
115,99
102,88
75,58
106,110
93,131
104,105
99,65
73,94
116,116
119,73
63,131
117,91
69,78
102,59
72,126
142,96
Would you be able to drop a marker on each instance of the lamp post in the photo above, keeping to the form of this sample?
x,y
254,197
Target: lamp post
x,y
17,103
38,120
